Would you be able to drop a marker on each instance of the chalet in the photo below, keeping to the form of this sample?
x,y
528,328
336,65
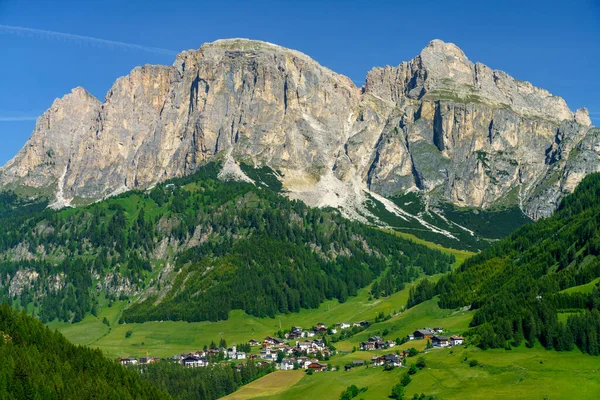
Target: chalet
x,y
440,341
287,364
347,367
307,334
390,343
316,367
128,361
294,335
380,344
456,340
269,340
253,342
268,354
393,360
321,325
410,336
374,339
438,330
378,360
334,330
358,363
423,334
297,329
320,331
344,325
361,323
366,346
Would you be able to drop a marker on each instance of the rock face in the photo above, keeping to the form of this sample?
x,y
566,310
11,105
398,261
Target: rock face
x,y
454,130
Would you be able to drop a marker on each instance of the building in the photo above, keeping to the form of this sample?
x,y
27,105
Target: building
x,y
287,364
344,325
193,361
128,361
440,341
393,360
253,342
317,367
358,363
456,340
378,361
410,336
367,346
423,334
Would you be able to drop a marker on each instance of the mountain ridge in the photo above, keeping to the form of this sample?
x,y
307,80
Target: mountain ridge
x,y
439,124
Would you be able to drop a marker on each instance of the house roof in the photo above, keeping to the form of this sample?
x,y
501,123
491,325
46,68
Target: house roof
x,y
440,338
423,332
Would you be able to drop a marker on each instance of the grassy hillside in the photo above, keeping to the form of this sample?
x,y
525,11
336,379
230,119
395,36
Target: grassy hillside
x,y
519,285
36,363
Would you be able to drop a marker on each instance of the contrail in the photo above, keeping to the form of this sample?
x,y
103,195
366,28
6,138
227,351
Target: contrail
x,y
17,119
19,30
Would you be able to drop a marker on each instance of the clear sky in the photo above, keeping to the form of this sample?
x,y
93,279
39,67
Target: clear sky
x,y
556,47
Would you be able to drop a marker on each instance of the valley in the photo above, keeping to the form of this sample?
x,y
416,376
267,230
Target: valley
x,y
248,224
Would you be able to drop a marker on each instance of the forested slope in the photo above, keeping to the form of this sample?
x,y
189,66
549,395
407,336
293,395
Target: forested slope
x,y
36,363
195,248
516,284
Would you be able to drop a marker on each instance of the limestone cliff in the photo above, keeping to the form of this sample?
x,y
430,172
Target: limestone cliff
x,y
440,124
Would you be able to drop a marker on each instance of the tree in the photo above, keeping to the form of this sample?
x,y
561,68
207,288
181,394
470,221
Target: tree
x,y
413,369
398,392
421,363
406,379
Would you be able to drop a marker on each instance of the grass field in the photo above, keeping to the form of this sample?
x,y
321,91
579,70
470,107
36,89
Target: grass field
x,y
460,255
587,288
270,385
166,338
501,374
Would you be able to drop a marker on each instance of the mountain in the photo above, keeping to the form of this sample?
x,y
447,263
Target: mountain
x,y
538,284
40,364
195,248
453,131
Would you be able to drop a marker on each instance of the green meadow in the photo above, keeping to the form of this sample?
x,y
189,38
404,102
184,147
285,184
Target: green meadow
x,y
167,338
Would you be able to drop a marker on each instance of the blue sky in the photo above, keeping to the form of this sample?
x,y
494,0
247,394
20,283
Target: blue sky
x,y
556,47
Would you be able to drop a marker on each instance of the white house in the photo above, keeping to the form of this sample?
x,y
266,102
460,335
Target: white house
x,y
456,340
194,362
128,361
440,341
344,325
287,364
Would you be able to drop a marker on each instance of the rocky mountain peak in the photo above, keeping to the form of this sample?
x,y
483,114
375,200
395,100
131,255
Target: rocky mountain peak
x,y
455,130
582,117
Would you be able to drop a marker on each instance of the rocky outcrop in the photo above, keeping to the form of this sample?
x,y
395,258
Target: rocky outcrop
x,y
454,130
